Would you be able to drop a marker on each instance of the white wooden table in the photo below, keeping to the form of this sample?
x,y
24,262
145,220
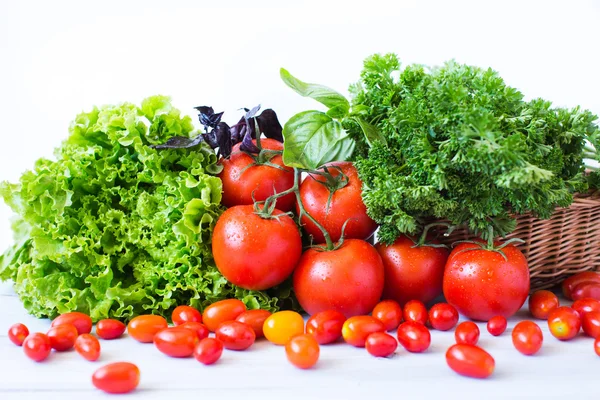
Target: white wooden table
x,y
561,370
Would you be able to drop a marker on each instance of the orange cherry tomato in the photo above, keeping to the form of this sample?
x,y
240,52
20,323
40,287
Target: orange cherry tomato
x,y
389,312
176,342
62,337
414,336
222,311
527,337
415,311
88,347
470,360
109,329
17,334
326,326
443,316
541,303
591,324
380,344
574,280
467,333
183,314
564,323
356,329
281,326
235,335
585,305
143,327
302,351
81,321
37,346
121,377
497,325
208,350
201,331
597,346
256,319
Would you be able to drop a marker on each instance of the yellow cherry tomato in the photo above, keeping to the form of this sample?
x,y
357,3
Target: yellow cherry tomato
x,y
280,327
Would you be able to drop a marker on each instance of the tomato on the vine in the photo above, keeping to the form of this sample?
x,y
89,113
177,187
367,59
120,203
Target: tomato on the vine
x,y
564,323
381,344
37,346
17,334
182,314
256,319
121,377
415,311
414,337
470,360
326,326
109,329
302,351
235,335
143,327
81,321
356,329
497,325
389,312
88,347
281,326
222,311
208,351
541,303
467,333
62,337
443,316
527,337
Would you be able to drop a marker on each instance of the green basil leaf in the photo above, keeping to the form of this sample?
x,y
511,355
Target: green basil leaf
x,y
320,93
313,138
372,134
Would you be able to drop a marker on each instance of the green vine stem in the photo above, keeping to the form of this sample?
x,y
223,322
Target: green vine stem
x,y
422,241
490,245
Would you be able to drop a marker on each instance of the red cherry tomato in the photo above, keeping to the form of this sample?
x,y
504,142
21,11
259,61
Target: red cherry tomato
x,y
176,342
143,327
414,337
389,312
88,347
326,326
356,329
17,334
280,327
415,311
470,360
572,281
497,325
349,279
467,333
586,290
302,351
380,344
201,331
541,303
222,311
235,335
183,314
586,305
597,346
62,337
564,323
412,273
591,324
443,316
527,337
109,329
121,377
81,321
255,319
208,351
37,346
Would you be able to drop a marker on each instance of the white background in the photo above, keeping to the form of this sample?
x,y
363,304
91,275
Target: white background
x,y
58,58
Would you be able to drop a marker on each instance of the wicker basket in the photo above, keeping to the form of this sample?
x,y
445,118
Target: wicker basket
x,y
565,244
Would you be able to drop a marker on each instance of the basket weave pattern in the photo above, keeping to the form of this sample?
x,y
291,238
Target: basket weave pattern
x,y
555,248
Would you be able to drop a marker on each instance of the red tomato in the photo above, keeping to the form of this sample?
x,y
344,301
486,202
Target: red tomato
x,y
143,327
235,335
467,333
326,326
62,337
380,344
333,210
570,282
302,351
591,324
348,280
389,312
564,323
597,346
249,258
176,342
280,327
482,283
222,311
470,360
497,325
527,337
201,331
586,305
17,334
109,329
121,377
208,351
255,319
541,303
242,180
412,273
586,290
356,329
37,346
416,311
443,316
183,314
414,337
81,321
88,347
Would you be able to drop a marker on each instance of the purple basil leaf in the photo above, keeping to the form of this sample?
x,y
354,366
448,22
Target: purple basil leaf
x,y
251,113
180,142
238,131
247,145
269,125
207,116
223,137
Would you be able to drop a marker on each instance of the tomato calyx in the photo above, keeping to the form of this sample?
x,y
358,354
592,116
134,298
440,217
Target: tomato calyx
x,y
489,245
331,182
262,156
